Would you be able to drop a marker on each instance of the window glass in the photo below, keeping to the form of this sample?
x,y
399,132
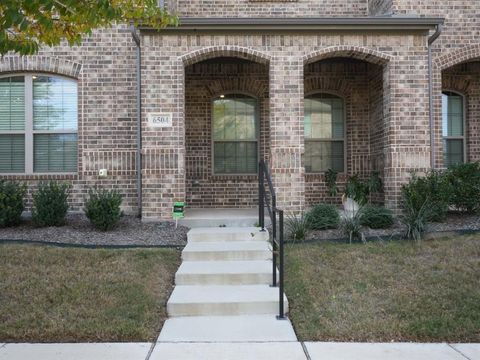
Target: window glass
x,y
324,128
48,106
12,103
54,103
12,153
234,135
55,152
453,128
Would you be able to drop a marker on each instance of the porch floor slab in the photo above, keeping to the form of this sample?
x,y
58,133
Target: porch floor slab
x,y
215,217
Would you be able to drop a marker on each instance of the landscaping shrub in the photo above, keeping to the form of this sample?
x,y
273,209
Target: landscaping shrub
x,y
465,183
433,191
297,227
357,189
323,216
50,204
11,202
377,217
374,183
331,182
414,218
103,208
351,226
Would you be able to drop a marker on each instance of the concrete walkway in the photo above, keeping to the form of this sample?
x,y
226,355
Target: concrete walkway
x,y
222,290
240,351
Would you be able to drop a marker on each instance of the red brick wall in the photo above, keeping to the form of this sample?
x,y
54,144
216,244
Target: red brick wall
x,y
268,8
104,67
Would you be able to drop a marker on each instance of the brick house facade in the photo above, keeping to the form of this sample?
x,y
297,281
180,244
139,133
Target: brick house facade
x,y
373,55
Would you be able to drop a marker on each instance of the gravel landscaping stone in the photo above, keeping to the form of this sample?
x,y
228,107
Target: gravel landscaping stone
x,y
455,222
78,230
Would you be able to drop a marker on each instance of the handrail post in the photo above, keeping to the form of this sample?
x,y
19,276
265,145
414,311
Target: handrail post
x,y
281,255
274,239
261,195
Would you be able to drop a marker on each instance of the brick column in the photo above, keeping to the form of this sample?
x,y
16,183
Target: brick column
x,y
407,136
163,148
286,131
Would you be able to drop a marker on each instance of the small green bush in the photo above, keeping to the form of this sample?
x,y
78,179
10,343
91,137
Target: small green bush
x,y
465,182
415,218
50,204
351,226
377,217
323,216
433,190
331,182
297,228
357,189
103,208
11,202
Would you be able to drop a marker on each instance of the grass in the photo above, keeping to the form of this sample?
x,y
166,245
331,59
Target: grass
x,y
50,294
386,291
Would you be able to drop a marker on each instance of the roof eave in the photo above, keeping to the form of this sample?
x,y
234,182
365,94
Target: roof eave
x,y
304,24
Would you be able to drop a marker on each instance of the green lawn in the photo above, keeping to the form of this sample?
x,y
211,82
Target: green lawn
x,y
50,294
389,291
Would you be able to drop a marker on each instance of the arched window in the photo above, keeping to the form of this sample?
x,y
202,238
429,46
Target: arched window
x,y
38,124
235,134
453,128
324,133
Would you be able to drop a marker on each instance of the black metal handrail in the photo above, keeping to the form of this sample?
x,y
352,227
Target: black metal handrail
x,y
269,200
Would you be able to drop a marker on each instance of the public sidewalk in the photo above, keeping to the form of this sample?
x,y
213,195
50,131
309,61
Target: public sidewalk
x,y
241,351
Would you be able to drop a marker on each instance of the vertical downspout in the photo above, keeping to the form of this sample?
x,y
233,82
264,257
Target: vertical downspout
x,y
431,39
136,38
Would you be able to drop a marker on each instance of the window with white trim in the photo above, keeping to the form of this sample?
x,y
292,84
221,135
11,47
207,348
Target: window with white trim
x,y
38,124
453,128
324,129
235,135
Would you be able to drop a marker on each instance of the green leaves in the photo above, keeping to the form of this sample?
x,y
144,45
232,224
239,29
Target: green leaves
x,y
25,25
12,196
50,204
103,208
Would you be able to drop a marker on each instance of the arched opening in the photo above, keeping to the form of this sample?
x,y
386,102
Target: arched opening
x,y
345,92
460,113
226,130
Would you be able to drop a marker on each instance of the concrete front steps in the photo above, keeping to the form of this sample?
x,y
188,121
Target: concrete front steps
x,y
224,273
227,250
254,328
220,234
204,300
223,290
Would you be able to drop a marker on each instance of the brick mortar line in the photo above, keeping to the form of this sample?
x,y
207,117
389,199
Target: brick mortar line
x,y
458,351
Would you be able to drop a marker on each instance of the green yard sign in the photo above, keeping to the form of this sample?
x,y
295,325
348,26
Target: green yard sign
x,y
178,209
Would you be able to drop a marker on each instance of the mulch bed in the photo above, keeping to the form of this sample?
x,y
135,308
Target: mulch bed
x,y
455,222
130,231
